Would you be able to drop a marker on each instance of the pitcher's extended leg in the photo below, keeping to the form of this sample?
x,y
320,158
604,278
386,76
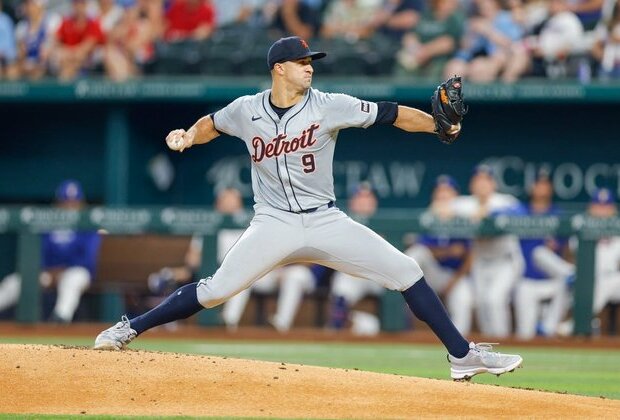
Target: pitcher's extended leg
x,y
270,238
350,247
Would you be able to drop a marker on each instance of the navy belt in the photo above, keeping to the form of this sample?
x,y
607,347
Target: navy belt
x,y
313,209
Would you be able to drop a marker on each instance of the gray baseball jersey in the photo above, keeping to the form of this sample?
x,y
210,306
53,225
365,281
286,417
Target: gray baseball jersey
x,y
293,187
292,157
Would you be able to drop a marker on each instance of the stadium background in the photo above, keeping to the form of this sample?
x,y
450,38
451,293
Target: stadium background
x,y
109,135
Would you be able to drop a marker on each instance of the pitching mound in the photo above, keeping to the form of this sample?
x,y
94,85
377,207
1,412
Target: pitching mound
x,y
65,380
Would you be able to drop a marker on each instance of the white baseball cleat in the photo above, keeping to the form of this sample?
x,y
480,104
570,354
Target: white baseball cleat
x,y
480,359
116,337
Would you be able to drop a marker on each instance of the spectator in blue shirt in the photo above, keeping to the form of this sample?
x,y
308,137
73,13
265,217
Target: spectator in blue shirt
x,y
34,37
487,44
8,49
68,261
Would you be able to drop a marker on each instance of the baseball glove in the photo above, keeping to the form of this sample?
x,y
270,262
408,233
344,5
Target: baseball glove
x,y
448,109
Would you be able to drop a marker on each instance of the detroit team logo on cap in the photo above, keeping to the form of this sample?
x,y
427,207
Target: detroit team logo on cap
x,y
290,49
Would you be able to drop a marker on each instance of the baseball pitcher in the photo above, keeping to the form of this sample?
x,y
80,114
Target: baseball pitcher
x,y
290,132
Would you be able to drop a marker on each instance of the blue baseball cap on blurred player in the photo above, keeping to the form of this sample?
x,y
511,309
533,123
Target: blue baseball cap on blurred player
x,y
362,186
483,169
542,174
444,179
290,49
603,196
69,190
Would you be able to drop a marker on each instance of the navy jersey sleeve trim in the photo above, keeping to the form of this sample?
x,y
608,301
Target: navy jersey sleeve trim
x,y
212,115
386,112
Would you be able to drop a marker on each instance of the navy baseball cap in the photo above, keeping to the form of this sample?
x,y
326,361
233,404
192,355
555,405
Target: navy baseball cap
x,y
446,180
69,190
289,49
602,196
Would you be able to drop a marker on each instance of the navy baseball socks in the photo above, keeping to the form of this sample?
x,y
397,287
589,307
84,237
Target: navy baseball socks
x,y
425,305
466,360
181,304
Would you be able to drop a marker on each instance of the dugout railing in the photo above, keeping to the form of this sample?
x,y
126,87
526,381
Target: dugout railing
x,y
29,221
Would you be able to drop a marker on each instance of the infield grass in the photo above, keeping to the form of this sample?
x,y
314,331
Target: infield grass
x,y
592,372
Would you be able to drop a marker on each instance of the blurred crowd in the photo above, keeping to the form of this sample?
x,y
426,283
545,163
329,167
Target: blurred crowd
x,y
483,40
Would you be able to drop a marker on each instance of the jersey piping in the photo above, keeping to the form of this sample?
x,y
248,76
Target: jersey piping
x,y
277,164
290,181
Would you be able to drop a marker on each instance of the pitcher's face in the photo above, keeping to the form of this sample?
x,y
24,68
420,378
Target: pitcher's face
x,y
298,73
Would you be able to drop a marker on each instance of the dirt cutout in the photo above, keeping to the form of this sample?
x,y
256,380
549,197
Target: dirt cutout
x,y
64,380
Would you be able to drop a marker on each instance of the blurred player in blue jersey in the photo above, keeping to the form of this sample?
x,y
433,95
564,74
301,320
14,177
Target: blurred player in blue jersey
x,y
68,261
446,261
542,296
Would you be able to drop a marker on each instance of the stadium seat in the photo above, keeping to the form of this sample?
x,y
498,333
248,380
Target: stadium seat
x,y
235,50
177,58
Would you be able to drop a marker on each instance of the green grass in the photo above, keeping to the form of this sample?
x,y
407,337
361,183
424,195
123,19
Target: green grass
x,y
592,372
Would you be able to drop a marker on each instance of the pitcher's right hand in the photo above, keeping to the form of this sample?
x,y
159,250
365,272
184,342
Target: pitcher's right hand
x,y
180,139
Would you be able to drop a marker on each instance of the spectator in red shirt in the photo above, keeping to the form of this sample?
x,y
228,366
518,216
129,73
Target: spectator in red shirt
x,y
130,42
77,38
189,19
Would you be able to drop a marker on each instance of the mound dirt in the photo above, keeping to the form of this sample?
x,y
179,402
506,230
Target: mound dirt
x,y
74,380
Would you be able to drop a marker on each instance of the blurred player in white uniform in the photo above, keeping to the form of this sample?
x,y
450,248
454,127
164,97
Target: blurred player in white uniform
x,y
542,296
163,282
607,259
607,266
293,280
446,261
497,262
348,290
